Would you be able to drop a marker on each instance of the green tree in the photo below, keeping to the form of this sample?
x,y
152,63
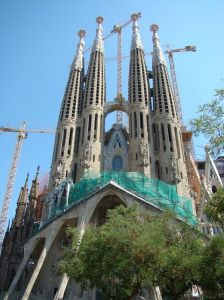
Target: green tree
x,y
210,122
214,208
212,269
131,252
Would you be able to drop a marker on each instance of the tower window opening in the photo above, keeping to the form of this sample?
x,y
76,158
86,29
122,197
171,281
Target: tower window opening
x,y
89,127
70,136
142,124
141,120
83,130
130,125
163,137
170,137
147,124
169,132
155,135
135,123
136,156
101,126
77,139
157,169
74,172
64,137
56,148
177,141
95,126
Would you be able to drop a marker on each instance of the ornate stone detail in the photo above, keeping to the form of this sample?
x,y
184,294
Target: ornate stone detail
x,y
144,153
68,122
174,169
85,160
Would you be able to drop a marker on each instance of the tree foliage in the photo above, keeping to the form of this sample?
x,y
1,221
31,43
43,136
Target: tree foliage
x,y
212,269
210,122
131,252
214,208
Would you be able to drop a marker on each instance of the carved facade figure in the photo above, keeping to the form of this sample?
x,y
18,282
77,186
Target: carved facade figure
x,y
144,153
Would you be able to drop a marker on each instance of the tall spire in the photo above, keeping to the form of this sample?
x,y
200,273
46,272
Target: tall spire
x,y
98,42
138,96
136,38
21,204
78,60
34,187
89,148
158,57
68,120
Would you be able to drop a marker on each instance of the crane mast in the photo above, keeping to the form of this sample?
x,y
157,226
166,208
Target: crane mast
x,y
118,29
174,78
11,180
22,134
175,88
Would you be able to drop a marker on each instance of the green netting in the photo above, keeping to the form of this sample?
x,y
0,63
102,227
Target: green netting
x,y
151,190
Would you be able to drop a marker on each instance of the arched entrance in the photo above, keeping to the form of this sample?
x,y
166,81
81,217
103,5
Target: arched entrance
x,y
100,213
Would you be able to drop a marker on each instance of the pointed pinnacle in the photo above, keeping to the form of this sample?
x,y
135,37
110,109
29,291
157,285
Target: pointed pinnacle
x,y
37,173
27,178
81,33
154,27
99,20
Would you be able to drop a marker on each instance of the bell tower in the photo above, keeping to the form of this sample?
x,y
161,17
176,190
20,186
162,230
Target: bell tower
x,y
91,126
139,114
168,164
68,119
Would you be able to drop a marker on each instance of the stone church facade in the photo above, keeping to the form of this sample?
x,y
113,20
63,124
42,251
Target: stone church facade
x,y
93,170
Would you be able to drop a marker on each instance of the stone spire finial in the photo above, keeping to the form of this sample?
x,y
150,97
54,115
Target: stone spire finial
x,y
158,57
98,42
26,182
21,203
34,187
37,173
136,38
78,60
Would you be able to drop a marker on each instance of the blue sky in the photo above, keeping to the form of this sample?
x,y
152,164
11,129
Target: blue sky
x,y
38,42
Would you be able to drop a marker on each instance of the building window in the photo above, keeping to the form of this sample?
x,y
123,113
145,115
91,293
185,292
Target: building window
x,y
117,163
155,136
77,138
74,172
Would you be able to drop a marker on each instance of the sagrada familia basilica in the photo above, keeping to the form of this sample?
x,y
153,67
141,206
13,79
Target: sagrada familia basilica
x,y
147,162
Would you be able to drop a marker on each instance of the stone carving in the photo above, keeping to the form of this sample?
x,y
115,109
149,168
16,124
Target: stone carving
x,y
85,161
174,169
144,153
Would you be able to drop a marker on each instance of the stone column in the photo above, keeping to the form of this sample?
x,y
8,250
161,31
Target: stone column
x,y
27,254
65,279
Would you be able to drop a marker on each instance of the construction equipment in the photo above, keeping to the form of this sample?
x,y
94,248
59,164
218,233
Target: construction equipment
x,y
118,29
174,78
169,52
22,134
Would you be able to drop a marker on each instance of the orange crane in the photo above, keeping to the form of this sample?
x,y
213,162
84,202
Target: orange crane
x,y
22,134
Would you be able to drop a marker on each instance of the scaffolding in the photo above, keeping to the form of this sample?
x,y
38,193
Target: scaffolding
x,y
152,190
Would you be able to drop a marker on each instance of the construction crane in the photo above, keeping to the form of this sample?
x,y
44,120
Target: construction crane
x,y
174,78
169,52
22,134
118,29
